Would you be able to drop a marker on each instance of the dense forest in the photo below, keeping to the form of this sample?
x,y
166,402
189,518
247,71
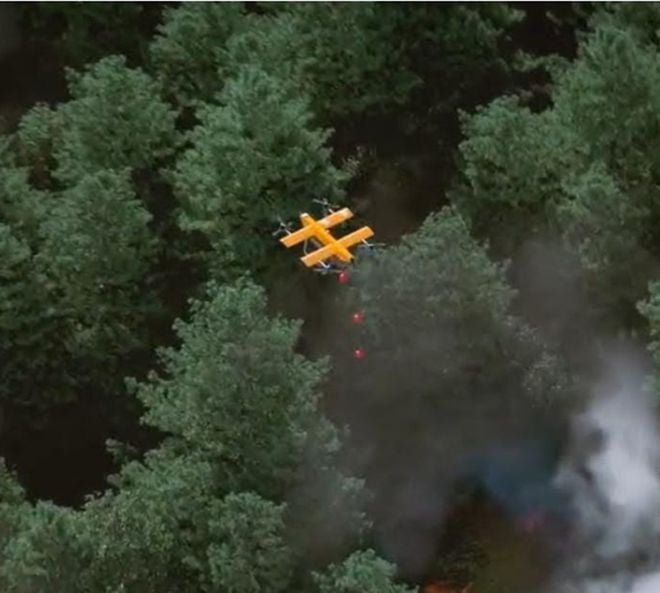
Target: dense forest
x,y
181,409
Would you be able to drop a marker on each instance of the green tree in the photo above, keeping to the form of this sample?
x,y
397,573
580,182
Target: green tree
x,y
642,20
203,512
586,168
43,553
22,206
33,144
349,59
254,156
249,553
445,357
514,162
237,394
29,327
650,308
12,496
236,391
361,572
608,228
437,304
75,300
353,59
608,97
133,541
341,55
188,53
144,537
96,248
80,251
115,119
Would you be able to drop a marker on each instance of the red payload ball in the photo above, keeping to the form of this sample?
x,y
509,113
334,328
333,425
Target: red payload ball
x,y
359,354
343,277
357,317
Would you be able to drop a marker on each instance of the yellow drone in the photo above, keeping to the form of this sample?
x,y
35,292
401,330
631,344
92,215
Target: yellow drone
x,y
330,253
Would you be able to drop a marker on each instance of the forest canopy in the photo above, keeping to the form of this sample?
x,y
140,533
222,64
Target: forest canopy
x,y
179,406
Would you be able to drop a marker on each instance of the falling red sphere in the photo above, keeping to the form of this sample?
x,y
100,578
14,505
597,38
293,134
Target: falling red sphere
x,y
359,353
357,317
343,277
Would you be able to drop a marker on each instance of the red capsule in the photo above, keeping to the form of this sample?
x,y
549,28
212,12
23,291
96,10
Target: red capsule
x,y
359,353
357,317
343,277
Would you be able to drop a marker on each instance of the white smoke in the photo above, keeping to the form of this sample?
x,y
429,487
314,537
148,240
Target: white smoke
x,y
625,469
613,477
647,584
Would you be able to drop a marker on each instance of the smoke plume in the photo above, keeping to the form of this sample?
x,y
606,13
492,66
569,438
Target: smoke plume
x,y
611,473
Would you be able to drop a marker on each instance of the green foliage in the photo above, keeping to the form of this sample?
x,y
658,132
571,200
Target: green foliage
x,y
188,54
73,290
11,492
349,58
97,236
237,395
607,228
361,572
6,154
341,55
236,392
609,98
133,541
25,318
587,168
514,162
30,333
79,255
21,206
364,57
643,21
254,157
438,308
249,554
35,141
164,530
11,498
326,508
15,273
115,119
96,248
650,308
240,407
143,538
43,554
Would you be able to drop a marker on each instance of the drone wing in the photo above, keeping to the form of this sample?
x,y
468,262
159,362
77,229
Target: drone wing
x,y
307,232
356,237
310,229
335,218
338,248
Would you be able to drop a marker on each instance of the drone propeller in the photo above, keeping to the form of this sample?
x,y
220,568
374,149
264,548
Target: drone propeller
x,y
284,228
368,247
326,205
